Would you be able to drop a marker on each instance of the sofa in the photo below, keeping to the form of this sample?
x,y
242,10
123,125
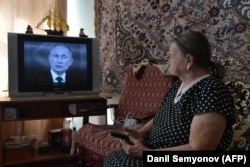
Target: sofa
x,y
143,90
141,95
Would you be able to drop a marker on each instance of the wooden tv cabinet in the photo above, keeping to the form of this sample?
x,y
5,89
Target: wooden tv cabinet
x,y
44,108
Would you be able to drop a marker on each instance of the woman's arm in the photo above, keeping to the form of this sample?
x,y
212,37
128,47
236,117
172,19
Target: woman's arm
x,y
207,130
205,134
145,130
141,133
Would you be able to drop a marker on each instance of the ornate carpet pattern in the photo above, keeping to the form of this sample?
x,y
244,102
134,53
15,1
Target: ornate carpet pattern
x,y
131,30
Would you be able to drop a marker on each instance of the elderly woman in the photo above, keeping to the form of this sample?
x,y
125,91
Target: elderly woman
x,y
196,114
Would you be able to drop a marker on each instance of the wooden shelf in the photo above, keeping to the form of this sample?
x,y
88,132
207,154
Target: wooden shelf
x,y
37,109
31,109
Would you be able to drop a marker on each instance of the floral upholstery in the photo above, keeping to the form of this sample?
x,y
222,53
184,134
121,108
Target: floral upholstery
x,y
138,97
241,94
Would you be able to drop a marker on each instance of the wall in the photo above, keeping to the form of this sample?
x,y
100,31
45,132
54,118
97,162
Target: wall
x,y
80,14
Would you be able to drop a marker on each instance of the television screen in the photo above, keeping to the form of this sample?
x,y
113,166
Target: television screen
x,y
58,64
43,62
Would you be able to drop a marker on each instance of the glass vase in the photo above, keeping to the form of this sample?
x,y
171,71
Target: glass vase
x,y
66,134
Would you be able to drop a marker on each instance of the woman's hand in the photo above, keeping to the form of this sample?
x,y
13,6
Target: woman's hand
x,y
133,147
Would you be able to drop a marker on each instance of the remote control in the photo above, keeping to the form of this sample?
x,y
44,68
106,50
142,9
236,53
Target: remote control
x,y
119,135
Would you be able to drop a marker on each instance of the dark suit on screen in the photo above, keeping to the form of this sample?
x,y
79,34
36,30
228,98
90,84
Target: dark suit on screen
x,y
44,81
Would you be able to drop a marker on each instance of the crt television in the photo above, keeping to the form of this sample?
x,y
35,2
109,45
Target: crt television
x,y
29,69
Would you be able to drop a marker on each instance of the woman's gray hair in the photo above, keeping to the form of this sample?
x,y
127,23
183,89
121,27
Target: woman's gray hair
x,y
217,70
197,44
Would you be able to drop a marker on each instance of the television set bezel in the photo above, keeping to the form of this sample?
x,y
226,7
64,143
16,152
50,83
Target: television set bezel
x,y
16,40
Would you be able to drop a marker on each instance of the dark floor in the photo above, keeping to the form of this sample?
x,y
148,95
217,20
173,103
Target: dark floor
x,y
73,162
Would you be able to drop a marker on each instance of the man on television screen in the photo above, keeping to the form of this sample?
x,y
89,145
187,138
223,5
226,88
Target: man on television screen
x,y
60,59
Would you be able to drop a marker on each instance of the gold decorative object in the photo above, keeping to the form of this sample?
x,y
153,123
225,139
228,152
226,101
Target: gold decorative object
x,y
56,23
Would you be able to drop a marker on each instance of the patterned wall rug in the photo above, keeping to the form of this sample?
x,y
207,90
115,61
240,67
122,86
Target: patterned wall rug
x,y
131,30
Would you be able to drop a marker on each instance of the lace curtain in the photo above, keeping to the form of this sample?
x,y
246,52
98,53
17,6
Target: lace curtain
x,y
15,15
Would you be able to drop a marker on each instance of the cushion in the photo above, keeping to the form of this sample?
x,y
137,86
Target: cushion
x,y
142,96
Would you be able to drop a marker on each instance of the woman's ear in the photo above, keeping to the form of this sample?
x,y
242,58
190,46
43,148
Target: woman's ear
x,y
189,61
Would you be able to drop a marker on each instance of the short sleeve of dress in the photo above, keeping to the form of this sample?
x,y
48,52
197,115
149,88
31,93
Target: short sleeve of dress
x,y
215,96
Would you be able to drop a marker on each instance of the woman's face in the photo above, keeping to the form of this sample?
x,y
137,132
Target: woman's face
x,y
177,61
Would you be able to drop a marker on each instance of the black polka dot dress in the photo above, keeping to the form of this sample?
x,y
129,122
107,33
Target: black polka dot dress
x,y
172,122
